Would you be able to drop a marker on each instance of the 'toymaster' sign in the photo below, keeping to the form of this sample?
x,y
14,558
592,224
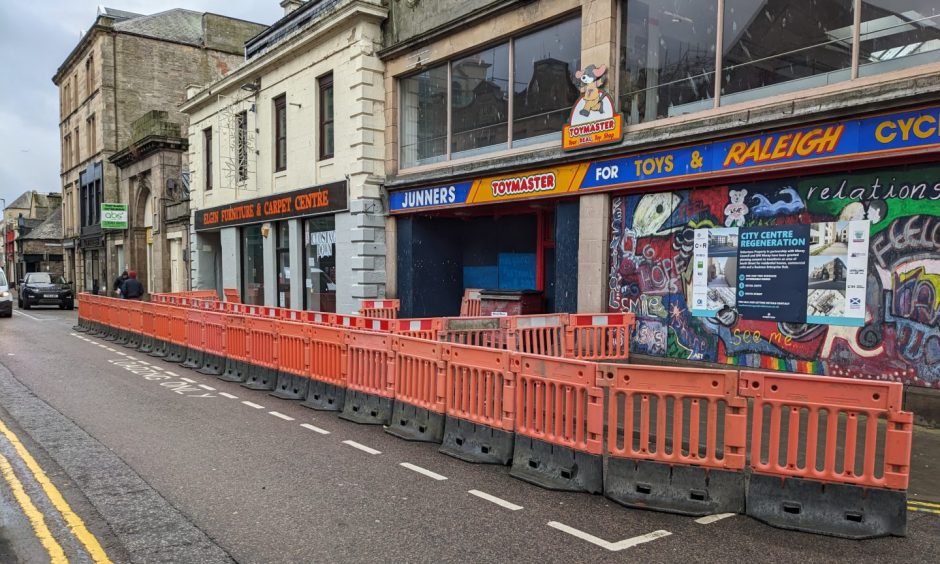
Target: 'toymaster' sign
x,y
316,200
856,138
114,216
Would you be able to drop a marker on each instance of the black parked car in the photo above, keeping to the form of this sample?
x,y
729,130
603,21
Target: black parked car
x,y
42,288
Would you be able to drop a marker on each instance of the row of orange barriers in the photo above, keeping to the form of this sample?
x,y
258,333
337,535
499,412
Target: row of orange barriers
x,y
821,454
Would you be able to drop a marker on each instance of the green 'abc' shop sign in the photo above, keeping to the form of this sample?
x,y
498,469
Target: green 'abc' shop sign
x,y
114,216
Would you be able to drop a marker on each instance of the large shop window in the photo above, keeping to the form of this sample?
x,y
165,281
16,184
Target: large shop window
x,y
897,34
512,94
252,265
320,268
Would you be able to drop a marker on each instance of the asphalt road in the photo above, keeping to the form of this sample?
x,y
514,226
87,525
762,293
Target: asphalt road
x,y
182,467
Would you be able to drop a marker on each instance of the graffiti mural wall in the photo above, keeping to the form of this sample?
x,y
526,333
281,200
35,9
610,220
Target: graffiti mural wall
x,y
652,246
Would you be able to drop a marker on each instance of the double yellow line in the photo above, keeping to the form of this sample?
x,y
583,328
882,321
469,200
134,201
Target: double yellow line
x,y
36,518
924,506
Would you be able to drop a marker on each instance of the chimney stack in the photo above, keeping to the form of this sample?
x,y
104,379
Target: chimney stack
x,y
291,5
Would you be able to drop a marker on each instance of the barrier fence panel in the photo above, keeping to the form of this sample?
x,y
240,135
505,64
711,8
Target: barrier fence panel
x,y
470,304
599,336
676,438
537,334
195,344
327,388
122,325
375,324
177,349
293,355
828,455
231,295
214,351
263,344
369,378
237,349
418,412
427,328
385,309
147,330
135,323
161,331
116,319
490,332
348,321
82,325
480,397
559,424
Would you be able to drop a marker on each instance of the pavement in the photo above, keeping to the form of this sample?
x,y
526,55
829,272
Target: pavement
x,y
167,465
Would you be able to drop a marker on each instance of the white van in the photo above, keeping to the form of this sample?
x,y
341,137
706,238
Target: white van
x,y
6,298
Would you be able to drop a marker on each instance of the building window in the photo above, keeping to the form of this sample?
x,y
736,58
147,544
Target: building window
x,y
283,264
207,157
90,134
241,124
326,116
66,98
280,133
320,267
75,92
90,75
473,95
75,138
898,34
252,265
67,152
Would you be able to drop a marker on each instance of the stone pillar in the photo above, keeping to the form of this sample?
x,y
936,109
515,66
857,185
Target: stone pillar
x,y
593,229
295,230
599,36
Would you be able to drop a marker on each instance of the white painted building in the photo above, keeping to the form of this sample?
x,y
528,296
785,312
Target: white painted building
x,y
287,163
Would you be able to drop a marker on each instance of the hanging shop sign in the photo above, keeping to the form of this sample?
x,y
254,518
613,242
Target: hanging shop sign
x,y
316,200
113,216
814,273
593,121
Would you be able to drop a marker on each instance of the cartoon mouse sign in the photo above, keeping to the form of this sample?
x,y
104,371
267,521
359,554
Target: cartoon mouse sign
x,y
593,121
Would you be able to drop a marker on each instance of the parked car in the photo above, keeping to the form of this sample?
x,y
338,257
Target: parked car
x,y
6,298
43,288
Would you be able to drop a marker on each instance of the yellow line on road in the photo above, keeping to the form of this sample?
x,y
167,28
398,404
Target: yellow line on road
x,y
924,504
923,509
36,519
75,523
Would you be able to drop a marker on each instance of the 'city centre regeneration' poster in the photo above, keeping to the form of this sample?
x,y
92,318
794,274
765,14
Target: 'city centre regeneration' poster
x,y
796,273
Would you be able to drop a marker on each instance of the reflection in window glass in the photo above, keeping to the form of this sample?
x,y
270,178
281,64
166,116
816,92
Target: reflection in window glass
x,y
480,102
252,265
774,46
898,34
283,264
424,117
544,64
320,259
667,57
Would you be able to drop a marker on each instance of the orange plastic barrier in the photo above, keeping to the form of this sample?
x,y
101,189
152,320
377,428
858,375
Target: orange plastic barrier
x,y
118,332
237,349
195,345
161,330
828,454
177,349
147,331
427,328
676,438
293,355
559,424
470,304
375,324
135,323
328,364
369,378
231,295
348,321
481,404
418,413
213,327
537,334
385,309
490,332
599,336
264,340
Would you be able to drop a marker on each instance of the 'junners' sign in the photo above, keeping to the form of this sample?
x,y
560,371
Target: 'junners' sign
x,y
316,200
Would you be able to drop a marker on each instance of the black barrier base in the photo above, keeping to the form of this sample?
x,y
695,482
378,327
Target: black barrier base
x,y
290,386
838,510
133,341
476,443
324,397
160,349
414,423
122,337
212,365
260,378
111,334
146,345
235,371
193,359
687,490
556,467
175,353
367,409
80,328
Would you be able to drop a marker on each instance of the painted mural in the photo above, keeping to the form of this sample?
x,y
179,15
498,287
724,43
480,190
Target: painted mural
x,y
652,245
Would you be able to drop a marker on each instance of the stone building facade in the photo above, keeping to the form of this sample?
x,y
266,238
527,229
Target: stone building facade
x,y
125,65
286,163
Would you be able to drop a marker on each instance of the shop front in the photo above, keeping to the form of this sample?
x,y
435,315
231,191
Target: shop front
x,y
279,250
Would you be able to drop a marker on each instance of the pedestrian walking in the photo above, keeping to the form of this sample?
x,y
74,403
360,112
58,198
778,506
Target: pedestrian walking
x,y
117,283
132,289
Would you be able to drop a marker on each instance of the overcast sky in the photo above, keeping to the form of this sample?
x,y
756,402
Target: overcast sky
x,y
35,38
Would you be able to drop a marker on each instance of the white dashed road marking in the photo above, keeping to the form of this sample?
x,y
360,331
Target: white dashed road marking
x,y
496,500
254,405
712,518
230,396
361,447
426,472
187,380
124,354
611,546
281,416
314,428
205,387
